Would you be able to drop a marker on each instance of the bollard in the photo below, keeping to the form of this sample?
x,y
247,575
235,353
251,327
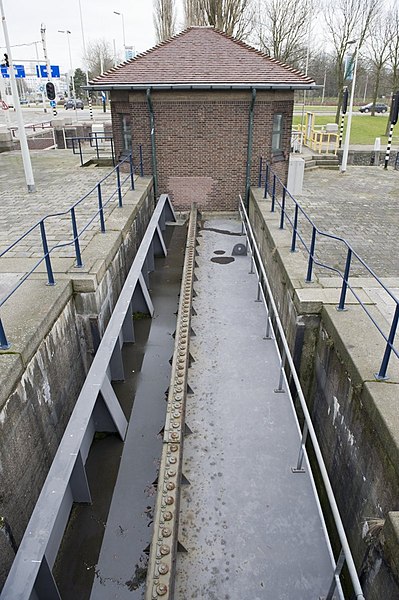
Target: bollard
x,y
377,148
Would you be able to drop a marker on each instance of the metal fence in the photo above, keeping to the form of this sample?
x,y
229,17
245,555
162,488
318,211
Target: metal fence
x,y
97,409
288,371
306,233
96,201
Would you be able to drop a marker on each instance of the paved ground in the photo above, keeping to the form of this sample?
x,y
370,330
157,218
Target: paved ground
x,y
362,206
60,182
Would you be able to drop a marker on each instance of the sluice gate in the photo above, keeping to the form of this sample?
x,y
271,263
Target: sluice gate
x,y
214,495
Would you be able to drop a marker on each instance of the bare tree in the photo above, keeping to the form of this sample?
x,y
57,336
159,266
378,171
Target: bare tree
x,y
348,21
278,33
231,16
378,46
99,57
164,19
194,13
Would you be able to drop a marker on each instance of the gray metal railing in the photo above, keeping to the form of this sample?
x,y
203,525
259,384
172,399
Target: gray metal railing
x,y
96,195
287,362
97,409
280,197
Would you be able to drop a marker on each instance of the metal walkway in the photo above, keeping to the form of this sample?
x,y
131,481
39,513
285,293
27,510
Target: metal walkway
x,y
251,527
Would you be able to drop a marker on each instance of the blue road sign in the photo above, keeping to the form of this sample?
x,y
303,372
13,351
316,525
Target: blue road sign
x,y
19,72
55,71
53,103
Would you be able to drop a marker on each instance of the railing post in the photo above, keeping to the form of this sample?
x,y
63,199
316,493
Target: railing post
x,y
283,208
112,151
4,345
76,239
260,172
100,207
50,275
97,154
118,180
280,389
382,374
80,152
131,170
299,468
337,572
266,181
341,305
311,254
141,161
273,193
294,229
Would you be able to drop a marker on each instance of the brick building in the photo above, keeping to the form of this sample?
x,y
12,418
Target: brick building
x,y
204,107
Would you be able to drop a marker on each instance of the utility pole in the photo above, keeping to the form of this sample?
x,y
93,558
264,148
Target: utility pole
x,y
47,60
30,182
3,97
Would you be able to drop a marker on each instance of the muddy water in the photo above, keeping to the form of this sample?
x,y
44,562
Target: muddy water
x,y
80,563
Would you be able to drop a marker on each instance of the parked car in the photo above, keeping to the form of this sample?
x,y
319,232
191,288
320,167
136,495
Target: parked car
x,y
72,103
379,108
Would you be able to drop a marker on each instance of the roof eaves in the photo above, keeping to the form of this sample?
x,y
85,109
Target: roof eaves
x,y
202,86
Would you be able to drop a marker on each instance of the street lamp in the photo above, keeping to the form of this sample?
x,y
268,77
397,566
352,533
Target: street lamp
x,y
349,123
68,33
123,31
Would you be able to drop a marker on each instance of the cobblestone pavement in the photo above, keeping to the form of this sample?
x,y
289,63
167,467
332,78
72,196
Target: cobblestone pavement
x,y
60,182
361,206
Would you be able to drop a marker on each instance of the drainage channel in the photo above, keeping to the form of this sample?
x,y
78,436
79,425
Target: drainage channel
x,y
104,552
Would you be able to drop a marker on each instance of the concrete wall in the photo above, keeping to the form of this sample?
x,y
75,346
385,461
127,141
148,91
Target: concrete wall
x,y
51,334
202,140
356,418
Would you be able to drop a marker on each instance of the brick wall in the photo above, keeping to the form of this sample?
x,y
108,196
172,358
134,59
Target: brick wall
x,y
202,140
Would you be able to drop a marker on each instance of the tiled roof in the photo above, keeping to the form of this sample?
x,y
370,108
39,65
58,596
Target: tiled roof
x,y
200,56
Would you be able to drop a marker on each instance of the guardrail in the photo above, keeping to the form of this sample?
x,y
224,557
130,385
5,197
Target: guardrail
x,y
281,198
318,139
33,126
40,227
287,362
98,143
97,409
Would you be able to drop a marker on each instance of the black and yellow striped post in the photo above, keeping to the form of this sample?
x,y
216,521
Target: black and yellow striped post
x,y
393,120
343,110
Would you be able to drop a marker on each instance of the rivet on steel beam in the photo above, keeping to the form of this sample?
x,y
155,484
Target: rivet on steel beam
x,y
174,447
170,500
164,549
163,568
162,589
174,435
166,532
168,516
172,460
171,472
170,486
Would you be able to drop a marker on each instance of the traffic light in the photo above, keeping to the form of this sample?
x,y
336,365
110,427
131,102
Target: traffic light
x,y
50,90
6,62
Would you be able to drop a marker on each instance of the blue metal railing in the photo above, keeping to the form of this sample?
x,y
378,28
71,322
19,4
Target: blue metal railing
x,y
279,195
40,227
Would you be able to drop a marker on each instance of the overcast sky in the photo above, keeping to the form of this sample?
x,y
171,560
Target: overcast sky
x,y
24,19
